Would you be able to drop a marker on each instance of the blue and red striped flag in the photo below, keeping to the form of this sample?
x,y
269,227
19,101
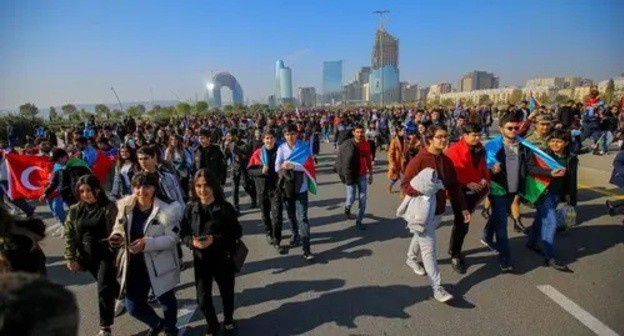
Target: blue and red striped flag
x,y
533,102
259,158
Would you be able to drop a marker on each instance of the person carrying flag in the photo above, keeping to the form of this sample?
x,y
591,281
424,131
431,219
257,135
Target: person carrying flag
x,y
562,187
507,157
261,167
297,175
66,173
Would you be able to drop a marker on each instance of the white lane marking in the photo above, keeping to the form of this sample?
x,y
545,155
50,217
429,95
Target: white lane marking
x,y
575,310
184,317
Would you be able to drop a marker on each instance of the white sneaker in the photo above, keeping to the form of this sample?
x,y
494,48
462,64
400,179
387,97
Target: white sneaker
x,y
416,266
440,294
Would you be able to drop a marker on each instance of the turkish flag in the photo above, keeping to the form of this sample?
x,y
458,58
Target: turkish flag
x,y
28,175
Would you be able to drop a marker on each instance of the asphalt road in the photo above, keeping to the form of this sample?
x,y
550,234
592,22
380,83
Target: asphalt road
x,y
359,283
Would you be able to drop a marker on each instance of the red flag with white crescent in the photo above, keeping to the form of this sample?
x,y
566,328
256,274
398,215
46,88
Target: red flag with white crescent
x,y
29,175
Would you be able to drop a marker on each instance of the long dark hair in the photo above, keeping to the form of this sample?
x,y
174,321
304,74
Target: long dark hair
x,y
212,182
96,188
133,157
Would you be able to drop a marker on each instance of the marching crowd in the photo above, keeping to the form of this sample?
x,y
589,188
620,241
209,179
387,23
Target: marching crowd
x,y
165,189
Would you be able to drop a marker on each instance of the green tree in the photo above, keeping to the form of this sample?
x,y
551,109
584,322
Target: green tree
x,y
102,111
134,111
53,115
84,114
154,111
200,107
183,109
167,111
117,114
28,110
609,93
69,109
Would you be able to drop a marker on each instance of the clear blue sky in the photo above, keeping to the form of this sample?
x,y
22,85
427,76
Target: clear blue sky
x,y
54,52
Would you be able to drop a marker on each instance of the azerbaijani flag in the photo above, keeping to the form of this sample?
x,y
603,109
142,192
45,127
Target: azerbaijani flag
x,y
533,102
534,185
259,158
302,156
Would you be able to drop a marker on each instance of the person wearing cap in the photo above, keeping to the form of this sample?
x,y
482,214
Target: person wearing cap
x,y
539,136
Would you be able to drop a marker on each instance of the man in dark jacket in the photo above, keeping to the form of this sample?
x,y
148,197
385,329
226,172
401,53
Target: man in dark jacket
x,y
269,197
239,152
208,155
354,165
567,114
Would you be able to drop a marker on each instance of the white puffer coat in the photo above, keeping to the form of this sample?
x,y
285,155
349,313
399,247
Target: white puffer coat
x,y
161,233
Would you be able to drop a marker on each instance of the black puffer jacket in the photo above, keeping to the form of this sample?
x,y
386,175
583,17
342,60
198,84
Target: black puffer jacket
x,y
348,163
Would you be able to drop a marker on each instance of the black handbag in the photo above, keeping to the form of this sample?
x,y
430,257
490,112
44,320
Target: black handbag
x,y
239,256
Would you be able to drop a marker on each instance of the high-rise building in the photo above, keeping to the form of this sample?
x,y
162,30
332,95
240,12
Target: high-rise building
x,y
409,92
478,80
283,83
422,94
332,82
384,78
306,96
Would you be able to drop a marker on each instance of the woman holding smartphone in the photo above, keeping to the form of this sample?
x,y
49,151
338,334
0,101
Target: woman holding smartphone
x,y
210,228
146,227
88,225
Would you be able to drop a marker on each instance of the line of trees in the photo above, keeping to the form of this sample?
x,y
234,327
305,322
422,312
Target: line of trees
x,y
71,113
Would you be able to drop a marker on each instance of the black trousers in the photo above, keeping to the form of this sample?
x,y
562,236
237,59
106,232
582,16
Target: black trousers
x,y
237,176
102,268
222,271
271,208
460,229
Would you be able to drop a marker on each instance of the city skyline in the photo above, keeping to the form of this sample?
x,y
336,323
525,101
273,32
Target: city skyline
x,y
52,61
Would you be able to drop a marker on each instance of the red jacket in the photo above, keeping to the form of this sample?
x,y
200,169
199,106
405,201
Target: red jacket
x,y
465,169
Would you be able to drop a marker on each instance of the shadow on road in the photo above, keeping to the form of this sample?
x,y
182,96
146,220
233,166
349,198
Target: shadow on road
x,y
570,246
341,307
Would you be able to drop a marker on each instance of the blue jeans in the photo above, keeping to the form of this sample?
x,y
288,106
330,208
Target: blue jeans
x,y
497,224
137,289
361,187
545,224
297,210
58,208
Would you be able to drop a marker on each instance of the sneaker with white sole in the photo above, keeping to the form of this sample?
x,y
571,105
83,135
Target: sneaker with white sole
x,y
416,266
440,294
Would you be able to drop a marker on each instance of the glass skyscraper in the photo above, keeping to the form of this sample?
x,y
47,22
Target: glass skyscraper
x,y
332,82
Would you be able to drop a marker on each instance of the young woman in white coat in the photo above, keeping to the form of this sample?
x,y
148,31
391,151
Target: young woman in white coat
x,y
147,228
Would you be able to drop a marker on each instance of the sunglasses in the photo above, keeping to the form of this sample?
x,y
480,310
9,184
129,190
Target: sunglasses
x,y
512,128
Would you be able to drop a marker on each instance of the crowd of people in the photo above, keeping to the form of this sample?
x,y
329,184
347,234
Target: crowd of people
x,y
165,190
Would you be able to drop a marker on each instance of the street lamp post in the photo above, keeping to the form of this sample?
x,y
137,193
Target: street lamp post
x,y
119,101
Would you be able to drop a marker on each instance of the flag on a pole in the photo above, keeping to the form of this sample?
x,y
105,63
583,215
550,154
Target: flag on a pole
x,y
302,156
28,175
533,102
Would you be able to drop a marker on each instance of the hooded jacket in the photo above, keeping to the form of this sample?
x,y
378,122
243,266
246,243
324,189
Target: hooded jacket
x,y
161,237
